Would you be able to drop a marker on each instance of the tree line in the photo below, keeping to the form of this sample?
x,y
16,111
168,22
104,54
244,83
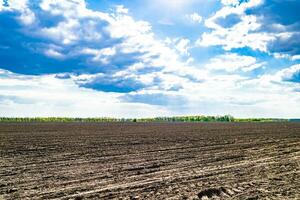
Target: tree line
x,y
200,118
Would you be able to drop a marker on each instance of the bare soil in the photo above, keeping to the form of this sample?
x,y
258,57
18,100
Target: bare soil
x,y
150,161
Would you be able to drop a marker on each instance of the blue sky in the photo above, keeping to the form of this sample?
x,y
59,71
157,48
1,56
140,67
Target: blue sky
x,y
145,58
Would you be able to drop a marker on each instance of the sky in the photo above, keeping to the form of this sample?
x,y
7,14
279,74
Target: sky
x,y
147,58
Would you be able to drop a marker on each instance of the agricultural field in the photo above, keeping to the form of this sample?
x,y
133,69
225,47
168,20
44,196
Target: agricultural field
x,y
150,161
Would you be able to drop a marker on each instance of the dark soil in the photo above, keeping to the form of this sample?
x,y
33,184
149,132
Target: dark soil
x,y
150,161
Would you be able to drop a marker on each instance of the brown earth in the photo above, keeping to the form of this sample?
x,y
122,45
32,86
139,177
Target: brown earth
x,y
150,161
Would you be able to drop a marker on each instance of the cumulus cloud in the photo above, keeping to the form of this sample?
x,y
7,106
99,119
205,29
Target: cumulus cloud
x,y
110,64
280,18
100,55
182,46
244,33
286,43
194,17
110,83
121,9
232,62
291,74
97,42
54,53
295,57
25,15
286,56
47,95
240,24
61,95
230,2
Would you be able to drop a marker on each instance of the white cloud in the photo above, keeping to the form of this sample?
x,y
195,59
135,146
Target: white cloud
x,y
289,73
79,23
121,9
14,5
194,17
230,2
126,26
48,96
232,62
27,17
74,8
267,96
203,91
244,97
54,54
286,56
253,67
72,31
296,57
64,32
182,46
91,30
103,36
229,10
240,35
245,33
281,56
102,55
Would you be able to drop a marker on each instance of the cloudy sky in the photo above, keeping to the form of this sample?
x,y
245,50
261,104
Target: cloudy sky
x,y
145,58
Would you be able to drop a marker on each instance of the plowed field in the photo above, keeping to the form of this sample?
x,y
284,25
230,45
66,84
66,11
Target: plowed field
x,y
150,161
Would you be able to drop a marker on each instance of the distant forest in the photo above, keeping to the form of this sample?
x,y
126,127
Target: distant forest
x,y
225,118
